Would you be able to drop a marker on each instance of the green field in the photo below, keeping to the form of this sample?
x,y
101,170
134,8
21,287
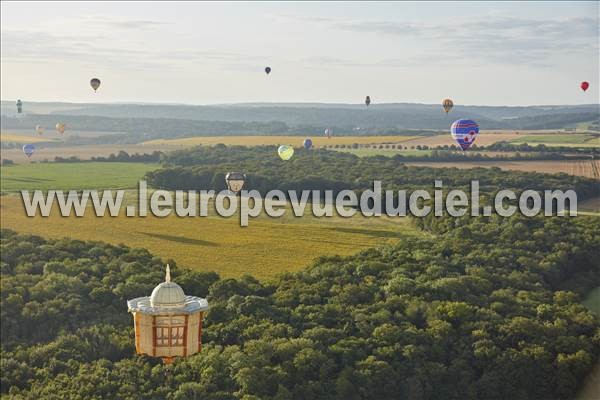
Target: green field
x,y
76,176
266,248
569,140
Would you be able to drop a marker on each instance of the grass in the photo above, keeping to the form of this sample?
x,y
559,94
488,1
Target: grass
x,y
275,140
264,249
76,176
569,140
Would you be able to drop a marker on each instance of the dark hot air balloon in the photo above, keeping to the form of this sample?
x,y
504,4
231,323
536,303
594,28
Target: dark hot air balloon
x,y
307,143
95,83
235,181
28,150
447,104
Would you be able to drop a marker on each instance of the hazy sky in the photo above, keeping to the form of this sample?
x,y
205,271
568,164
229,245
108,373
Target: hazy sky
x,y
200,53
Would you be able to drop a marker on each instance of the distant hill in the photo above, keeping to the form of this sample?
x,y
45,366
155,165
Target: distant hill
x,y
172,120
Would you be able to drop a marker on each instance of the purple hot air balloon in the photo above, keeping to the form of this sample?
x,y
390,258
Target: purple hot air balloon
x,y
307,143
464,132
28,150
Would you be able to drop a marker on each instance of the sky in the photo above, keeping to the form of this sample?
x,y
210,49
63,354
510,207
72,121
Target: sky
x,y
477,53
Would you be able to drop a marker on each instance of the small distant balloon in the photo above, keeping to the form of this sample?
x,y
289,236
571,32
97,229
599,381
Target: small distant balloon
x,y
368,100
267,70
19,106
39,129
447,104
285,152
28,150
585,85
328,133
307,143
95,83
60,127
464,132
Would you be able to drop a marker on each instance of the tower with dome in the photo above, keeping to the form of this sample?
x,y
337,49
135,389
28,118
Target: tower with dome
x,y
168,323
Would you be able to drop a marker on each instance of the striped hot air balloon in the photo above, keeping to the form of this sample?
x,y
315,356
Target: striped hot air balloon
x,y
464,132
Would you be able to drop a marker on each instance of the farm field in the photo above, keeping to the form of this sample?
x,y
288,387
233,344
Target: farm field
x,y
264,249
367,152
569,140
585,168
210,243
84,152
50,135
296,141
16,138
76,176
486,138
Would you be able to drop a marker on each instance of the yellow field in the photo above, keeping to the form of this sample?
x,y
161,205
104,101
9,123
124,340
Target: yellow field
x,y
266,248
84,152
275,140
9,137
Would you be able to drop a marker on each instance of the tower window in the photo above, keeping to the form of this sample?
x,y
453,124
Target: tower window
x,y
170,331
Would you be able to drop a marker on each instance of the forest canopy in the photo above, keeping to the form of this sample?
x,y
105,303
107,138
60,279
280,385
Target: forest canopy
x,y
480,308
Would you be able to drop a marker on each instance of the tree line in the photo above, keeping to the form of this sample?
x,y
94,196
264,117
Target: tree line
x,y
205,168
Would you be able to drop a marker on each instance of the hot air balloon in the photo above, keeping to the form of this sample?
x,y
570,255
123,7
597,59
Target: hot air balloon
x,y
267,70
235,181
285,152
307,143
60,127
368,101
447,104
95,83
328,133
19,106
28,150
39,129
585,85
464,132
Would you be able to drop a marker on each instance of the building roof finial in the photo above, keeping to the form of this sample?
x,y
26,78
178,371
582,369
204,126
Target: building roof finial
x,y
168,274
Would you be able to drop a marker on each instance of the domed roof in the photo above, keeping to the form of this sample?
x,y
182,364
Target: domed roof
x,y
167,294
166,299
